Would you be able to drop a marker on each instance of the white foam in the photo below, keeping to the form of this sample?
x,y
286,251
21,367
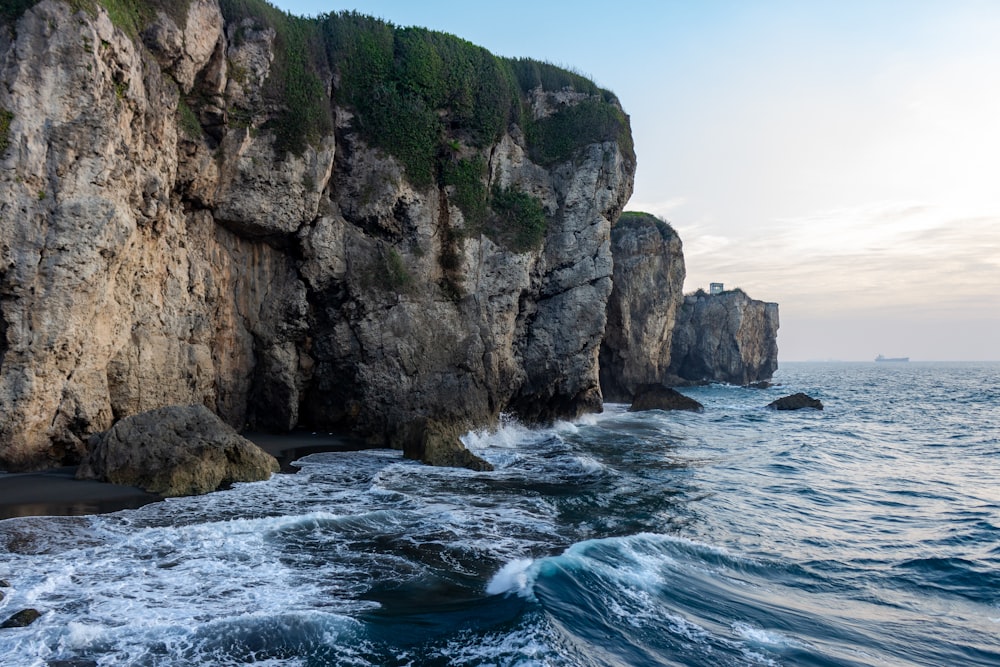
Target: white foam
x,y
510,434
514,577
763,637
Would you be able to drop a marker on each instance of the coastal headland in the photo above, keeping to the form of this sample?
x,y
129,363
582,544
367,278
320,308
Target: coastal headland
x,y
333,224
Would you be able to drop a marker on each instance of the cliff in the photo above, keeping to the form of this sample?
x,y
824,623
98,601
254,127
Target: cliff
x,y
725,337
642,309
331,223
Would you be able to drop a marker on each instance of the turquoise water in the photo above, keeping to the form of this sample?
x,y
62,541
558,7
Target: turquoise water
x,y
865,534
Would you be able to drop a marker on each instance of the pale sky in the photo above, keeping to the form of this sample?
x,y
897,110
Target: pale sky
x,y
840,158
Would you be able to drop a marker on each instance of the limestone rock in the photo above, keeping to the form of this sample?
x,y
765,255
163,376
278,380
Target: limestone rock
x,y
642,309
796,402
157,250
439,444
175,451
726,337
22,619
659,397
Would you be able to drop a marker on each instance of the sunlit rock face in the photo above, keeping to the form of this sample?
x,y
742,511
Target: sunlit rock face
x,y
159,246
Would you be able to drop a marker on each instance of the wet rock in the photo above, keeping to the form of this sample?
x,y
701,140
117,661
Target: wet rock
x,y
175,451
440,444
22,619
796,402
763,384
658,397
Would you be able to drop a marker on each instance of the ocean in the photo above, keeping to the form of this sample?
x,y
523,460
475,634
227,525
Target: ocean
x,y
864,534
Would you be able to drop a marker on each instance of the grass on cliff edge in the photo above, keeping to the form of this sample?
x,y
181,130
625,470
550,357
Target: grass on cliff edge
x,y
422,96
639,218
414,91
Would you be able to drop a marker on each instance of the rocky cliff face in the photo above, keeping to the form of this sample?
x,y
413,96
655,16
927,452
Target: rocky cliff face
x,y
726,337
164,240
642,310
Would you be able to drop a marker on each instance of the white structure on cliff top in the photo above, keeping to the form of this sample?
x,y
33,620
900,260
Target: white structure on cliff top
x,y
716,288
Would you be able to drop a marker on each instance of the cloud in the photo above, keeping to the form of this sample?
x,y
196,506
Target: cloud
x,y
901,257
661,209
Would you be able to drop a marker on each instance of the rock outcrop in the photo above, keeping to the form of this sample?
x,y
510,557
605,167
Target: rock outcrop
x,y
725,337
175,451
642,309
659,397
796,402
197,210
21,619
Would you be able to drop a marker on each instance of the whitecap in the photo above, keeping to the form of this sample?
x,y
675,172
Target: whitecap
x,y
516,576
762,637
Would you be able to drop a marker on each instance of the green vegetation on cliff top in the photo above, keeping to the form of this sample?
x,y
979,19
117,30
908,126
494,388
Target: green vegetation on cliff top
x,y
639,218
420,95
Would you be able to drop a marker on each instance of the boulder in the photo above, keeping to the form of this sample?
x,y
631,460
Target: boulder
x,y
439,444
796,402
175,451
22,619
658,397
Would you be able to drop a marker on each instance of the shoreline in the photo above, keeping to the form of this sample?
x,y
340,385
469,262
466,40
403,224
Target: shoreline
x,y
57,492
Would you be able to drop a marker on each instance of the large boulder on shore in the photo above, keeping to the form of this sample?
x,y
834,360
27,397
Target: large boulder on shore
x,y
796,402
658,397
175,451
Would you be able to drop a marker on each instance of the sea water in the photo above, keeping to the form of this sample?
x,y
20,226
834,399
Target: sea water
x,y
864,534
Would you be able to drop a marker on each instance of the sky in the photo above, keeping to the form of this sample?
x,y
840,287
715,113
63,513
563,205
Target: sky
x,y
839,158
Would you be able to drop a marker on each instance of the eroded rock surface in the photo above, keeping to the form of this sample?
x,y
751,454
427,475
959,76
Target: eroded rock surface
x,y
175,451
158,247
642,309
726,337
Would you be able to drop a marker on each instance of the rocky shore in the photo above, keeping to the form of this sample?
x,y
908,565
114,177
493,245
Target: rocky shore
x,y
373,247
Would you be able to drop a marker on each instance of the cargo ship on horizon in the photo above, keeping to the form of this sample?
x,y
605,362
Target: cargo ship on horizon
x,y
884,358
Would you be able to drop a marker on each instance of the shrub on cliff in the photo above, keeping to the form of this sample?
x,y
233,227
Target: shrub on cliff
x,y
519,219
415,90
5,119
640,219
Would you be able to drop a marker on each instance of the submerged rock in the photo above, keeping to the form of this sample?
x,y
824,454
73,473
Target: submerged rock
x,y
796,402
658,397
763,384
175,451
22,619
